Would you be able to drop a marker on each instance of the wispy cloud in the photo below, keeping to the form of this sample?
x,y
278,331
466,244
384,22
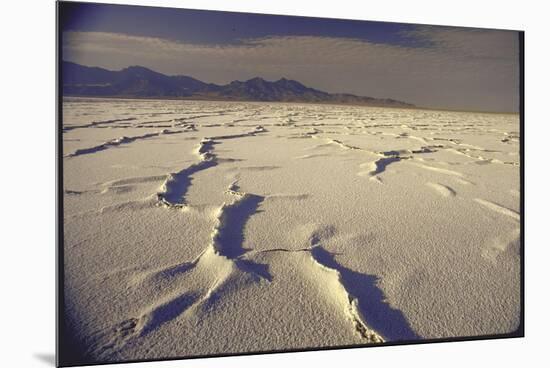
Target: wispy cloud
x,y
457,68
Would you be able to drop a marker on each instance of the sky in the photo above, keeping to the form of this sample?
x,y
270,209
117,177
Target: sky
x,y
429,66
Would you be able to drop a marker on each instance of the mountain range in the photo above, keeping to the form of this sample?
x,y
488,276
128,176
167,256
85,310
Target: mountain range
x,y
141,82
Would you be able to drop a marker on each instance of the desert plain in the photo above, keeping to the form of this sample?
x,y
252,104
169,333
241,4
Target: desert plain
x,y
198,228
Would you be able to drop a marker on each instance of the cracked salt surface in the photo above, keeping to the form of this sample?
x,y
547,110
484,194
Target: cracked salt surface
x,y
196,228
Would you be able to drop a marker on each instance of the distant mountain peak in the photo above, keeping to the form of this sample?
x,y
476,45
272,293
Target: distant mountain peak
x,y
290,82
257,79
140,70
139,81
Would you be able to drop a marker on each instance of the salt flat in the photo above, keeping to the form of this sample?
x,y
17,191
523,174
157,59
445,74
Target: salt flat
x,y
196,228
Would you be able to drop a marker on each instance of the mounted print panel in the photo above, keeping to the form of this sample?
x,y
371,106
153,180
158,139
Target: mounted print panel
x,y
234,183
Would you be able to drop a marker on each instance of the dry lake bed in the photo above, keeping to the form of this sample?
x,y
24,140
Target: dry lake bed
x,y
196,227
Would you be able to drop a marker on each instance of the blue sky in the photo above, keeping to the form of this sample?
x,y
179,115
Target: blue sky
x,y
446,67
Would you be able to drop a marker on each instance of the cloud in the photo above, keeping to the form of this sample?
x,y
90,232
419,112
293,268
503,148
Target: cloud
x,y
452,67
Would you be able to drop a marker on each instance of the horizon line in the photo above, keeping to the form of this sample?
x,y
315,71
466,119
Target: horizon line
x,y
413,106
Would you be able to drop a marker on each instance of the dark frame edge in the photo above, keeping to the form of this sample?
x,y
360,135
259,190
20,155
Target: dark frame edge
x,y
521,38
59,264
513,334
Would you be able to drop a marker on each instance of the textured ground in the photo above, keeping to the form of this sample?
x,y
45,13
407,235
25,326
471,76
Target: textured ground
x,y
197,228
